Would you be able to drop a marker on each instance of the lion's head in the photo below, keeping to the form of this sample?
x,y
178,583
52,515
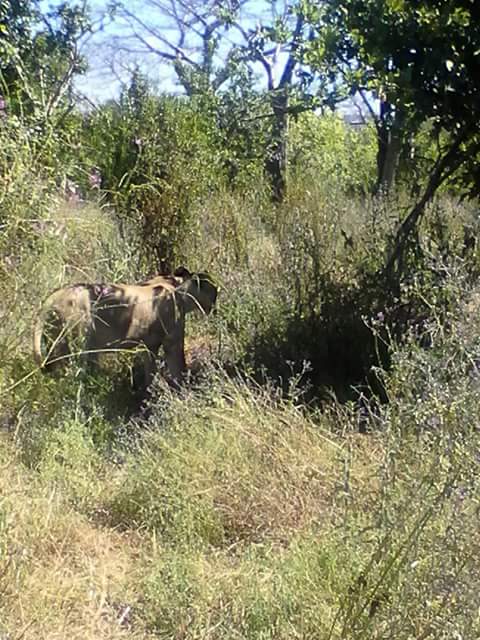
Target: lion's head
x,y
198,292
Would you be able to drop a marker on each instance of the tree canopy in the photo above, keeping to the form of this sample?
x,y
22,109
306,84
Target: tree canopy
x,y
214,45
40,53
421,60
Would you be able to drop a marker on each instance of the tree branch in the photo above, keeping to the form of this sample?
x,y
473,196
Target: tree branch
x,y
292,61
444,167
179,53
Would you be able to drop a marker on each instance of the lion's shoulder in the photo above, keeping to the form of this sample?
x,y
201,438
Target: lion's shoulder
x,y
168,282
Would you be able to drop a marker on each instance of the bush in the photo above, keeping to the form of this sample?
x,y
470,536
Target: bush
x,y
157,158
327,150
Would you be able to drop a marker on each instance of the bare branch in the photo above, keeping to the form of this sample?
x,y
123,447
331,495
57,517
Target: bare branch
x,y
203,33
178,52
261,58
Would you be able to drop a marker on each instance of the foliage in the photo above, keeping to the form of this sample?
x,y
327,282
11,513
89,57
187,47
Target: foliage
x,y
156,157
211,46
243,130
40,53
326,148
399,50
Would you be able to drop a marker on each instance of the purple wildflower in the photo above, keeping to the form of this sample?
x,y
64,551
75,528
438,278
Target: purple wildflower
x,y
95,179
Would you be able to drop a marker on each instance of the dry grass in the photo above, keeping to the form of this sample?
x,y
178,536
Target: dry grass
x,y
247,472
261,468
63,576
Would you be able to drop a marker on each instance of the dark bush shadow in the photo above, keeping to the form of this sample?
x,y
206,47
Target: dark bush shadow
x,y
343,346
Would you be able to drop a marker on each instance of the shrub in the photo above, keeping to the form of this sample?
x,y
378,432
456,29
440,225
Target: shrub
x,y
329,150
157,158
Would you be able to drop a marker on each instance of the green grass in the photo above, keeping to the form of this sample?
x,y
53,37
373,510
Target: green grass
x,y
232,511
246,505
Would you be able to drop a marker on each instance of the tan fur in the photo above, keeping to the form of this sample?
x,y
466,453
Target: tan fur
x,y
113,317
162,280
174,279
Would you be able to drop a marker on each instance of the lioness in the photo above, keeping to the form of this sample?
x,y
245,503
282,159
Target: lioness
x,y
112,317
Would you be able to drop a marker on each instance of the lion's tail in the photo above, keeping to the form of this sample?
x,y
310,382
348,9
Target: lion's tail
x,y
39,329
37,340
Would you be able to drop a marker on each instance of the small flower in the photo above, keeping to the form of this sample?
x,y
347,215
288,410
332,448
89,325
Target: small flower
x,y
72,192
95,179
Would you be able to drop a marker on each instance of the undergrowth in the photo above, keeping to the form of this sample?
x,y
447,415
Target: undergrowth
x,y
246,504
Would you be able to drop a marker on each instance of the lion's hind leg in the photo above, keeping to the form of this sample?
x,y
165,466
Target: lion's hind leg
x,y
144,370
55,344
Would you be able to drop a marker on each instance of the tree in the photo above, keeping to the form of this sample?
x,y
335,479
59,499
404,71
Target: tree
x,y
209,43
40,55
423,60
157,157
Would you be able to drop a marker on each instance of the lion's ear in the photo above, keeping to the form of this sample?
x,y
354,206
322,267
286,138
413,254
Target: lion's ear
x,y
182,272
164,268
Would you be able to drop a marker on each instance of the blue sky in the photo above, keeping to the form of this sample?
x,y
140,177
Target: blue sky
x,y
109,66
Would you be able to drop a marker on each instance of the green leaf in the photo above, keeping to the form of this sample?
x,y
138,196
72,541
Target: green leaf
x,y
396,5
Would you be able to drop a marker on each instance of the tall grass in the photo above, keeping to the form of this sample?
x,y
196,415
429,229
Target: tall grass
x,y
237,507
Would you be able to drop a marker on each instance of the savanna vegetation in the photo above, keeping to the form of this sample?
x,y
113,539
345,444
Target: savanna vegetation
x,y
317,474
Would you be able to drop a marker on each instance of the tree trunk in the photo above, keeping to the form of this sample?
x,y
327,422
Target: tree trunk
x,y
387,173
276,162
445,166
389,146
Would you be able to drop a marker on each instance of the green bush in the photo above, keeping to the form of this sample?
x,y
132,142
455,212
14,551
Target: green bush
x,y
157,158
328,150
